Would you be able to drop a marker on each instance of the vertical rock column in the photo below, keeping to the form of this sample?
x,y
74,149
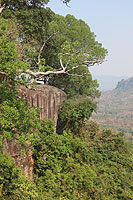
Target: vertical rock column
x,y
46,97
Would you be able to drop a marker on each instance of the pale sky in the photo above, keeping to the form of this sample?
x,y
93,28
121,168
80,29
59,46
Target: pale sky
x,y
112,22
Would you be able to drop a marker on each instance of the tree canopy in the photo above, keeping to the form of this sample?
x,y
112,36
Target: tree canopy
x,y
19,4
55,48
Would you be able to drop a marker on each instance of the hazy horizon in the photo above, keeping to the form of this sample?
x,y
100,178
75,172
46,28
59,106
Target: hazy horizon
x,y
108,82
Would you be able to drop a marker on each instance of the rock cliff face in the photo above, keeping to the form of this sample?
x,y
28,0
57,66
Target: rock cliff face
x,y
25,162
47,98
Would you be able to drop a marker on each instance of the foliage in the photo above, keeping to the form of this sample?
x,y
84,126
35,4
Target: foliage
x,y
17,118
9,61
13,185
61,165
96,168
76,85
57,49
20,3
75,44
74,112
111,159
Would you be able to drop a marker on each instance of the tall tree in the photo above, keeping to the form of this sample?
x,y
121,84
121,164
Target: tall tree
x,y
57,49
68,45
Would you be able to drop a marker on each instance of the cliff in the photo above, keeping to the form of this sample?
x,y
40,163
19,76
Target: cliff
x,y
125,84
48,99
45,97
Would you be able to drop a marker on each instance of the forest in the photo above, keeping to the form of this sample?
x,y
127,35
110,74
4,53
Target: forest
x,y
78,160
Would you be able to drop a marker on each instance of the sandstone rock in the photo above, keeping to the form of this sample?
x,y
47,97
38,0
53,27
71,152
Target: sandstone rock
x,y
46,97
26,161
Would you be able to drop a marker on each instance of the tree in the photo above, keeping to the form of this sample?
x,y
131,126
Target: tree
x,y
69,45
73,113
54,45
19,4
76,85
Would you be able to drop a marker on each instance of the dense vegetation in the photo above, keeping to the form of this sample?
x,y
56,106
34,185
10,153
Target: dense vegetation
x,y
80,161
95,164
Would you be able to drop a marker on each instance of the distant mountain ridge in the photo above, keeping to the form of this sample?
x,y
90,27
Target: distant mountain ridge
x,y
125,84
115,107
108,82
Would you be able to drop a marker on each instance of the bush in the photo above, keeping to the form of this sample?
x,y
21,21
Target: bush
x,y
74,112
13,185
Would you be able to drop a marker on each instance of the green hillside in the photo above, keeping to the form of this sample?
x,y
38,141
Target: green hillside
x,y
115,107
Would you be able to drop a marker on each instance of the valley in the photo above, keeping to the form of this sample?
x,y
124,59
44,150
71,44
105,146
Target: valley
x,y
115,108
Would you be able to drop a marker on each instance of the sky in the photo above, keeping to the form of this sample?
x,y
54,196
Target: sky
x,y
112,23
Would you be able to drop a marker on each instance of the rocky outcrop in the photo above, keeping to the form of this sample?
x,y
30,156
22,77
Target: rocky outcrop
x,y
125,84
48,99
45,97
26,161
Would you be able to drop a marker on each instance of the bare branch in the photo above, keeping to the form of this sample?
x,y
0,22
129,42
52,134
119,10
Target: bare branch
x,y
3,73
63,70
66,54
78,75
92,62
35,74
67,63
1,8
75,67
61,63
66,2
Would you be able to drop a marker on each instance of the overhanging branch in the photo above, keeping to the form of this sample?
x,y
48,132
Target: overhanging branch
x,y
77,75
63,70
92,62
1,8
36,74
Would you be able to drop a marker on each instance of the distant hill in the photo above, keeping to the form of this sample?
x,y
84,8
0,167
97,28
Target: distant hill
x,y
125,84
115,107
107,82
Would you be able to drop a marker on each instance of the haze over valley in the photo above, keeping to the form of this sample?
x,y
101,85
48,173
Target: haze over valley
x,y
115,108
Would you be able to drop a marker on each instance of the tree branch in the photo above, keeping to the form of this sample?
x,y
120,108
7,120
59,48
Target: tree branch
x,y
1,8
35,74
62,71
42,47
78,75
66,2
61,63
3,73
92,62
